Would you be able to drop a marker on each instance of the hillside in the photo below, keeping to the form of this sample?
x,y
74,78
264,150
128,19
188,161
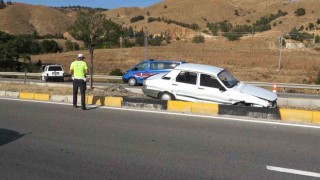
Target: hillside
x,y
22,18
203,11
25,19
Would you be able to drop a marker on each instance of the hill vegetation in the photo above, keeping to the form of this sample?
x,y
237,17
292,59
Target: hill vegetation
x,y
241,35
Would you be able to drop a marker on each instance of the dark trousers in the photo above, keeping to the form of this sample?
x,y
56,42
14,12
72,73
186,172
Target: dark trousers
x,y
83,86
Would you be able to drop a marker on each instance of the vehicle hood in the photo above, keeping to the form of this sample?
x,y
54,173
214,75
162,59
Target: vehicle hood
x,y
257,92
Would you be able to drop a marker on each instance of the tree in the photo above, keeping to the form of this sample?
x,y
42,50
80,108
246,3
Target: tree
x,y
311,26
49,46
89,28
2,5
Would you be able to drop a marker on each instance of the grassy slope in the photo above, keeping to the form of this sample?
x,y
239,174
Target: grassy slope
x,y
22,18
252,59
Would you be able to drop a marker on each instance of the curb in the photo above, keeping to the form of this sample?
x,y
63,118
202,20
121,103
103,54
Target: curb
x,y
288,115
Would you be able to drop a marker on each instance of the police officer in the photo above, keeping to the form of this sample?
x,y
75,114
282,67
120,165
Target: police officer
x,y
79,69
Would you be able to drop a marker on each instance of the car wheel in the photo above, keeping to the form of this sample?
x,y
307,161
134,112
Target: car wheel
x,y
132,82
166,96
240,104
62,79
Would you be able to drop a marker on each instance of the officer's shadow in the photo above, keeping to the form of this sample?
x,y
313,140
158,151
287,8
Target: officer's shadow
x,y
7,136
97,102
92,107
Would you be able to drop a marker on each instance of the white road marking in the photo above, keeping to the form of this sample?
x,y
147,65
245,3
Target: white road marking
x,y
259,121
294,171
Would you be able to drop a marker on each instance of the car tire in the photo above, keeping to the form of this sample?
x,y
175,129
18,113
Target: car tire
x,y
166,96
132,82
241,104
62,79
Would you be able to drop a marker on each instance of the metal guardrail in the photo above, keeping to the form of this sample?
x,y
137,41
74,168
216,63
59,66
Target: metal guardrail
x,y
286,85
260,84
39,75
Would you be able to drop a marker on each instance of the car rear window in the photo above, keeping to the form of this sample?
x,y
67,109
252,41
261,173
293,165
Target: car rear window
x,y
187,77
55,68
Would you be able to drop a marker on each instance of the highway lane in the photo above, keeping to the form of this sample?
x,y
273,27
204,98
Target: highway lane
x,y
56,141
282,95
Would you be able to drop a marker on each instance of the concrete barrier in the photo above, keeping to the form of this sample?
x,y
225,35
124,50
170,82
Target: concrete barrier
x,y
205,108
59,98
296,115
42,97
316,118
154,104
179,106
253,112
12,94
113,101
284,114
2,93
24,95
95,100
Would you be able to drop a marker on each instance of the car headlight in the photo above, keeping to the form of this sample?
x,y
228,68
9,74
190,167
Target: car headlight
x,y
272,104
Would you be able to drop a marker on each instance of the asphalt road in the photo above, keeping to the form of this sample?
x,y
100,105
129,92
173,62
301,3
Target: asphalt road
x,y
56,141
282,95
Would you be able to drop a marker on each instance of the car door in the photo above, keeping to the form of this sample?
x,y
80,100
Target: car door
x,y
184,86
211,90
141,71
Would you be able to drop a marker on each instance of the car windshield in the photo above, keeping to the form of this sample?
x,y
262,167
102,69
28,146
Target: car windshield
x,y
228,80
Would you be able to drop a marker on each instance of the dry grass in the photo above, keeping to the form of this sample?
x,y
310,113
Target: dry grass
x,y
35,89
251,59
115,90
25,19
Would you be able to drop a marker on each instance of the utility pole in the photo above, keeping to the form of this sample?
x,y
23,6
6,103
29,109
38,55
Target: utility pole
x,y
314,38
121,41
281,39
146,45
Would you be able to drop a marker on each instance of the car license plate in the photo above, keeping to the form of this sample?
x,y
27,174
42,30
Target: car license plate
x,y
55,73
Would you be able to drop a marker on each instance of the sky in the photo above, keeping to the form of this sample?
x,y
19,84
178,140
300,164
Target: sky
x,y
109,4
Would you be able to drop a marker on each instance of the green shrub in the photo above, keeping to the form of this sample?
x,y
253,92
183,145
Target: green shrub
x,y
127,43
116,72
299,36
198,39
155,41
232,36
300,12
318,79
311,26
317,39
136,19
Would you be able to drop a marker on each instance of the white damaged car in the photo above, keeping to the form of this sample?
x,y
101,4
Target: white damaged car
x,y
203,83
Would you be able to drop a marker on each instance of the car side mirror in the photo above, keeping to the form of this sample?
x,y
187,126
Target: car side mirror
x,y
222,89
